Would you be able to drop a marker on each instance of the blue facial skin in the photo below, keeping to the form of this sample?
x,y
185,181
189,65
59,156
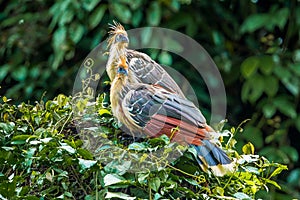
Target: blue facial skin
x,y
122,38
121,70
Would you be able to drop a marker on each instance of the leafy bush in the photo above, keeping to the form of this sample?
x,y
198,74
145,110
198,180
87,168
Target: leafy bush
x,y
256,47
43,156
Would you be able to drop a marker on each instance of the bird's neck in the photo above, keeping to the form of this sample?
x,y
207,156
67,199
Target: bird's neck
x,y
117,92
115,52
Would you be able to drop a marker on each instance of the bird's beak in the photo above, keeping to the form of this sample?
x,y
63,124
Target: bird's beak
x,y
122,38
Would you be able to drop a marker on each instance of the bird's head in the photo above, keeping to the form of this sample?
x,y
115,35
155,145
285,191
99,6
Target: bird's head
x,y
122,69
118,34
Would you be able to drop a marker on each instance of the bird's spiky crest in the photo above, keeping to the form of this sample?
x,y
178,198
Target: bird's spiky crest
x,y
116,28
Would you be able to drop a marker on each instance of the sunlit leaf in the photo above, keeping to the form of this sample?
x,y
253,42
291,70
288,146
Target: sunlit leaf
x,y
137,146
68,148
86,164
273,183
240,195
277,171
248,148
118,195
111,179
154,183
104,111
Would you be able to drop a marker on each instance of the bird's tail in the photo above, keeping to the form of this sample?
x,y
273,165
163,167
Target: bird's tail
x,y
210,156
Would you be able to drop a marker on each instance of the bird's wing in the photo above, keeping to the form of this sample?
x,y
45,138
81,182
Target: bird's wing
x,y
157,111
149,72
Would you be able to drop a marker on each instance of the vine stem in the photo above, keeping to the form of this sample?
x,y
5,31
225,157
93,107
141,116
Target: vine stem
x,y
64,124
183,172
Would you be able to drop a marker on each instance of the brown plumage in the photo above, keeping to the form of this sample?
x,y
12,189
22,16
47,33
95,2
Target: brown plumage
x,y
153,110
143,68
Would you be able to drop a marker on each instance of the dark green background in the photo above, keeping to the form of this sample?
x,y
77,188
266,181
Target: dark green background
x,y
255,44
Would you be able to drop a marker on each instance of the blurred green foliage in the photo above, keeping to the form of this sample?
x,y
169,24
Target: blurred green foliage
x,y
255,44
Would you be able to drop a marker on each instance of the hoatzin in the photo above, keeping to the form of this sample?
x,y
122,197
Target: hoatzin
x,y
153,110
143,68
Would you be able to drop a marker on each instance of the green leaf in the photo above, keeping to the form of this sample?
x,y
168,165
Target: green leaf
x,y
97,16
142,178
294,177
253,88
121,11
76,32
249,66
86,164
154,14
218,191
266,64
269,110
68,148
89,5
292,84
137,146
137,17
278,171
58,42
154,183
296,58
192,181
271,85
248,148
62,100
59,38
157,196
165,58
111,179
104,111
20,73
291,152
281,17
66,17
254,22
7,127
17,142
273,183
4,71
85,153
252,170
285,106
21,137
240,195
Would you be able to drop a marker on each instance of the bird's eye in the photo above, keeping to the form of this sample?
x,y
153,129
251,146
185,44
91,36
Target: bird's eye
x,y
121,70
121,38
